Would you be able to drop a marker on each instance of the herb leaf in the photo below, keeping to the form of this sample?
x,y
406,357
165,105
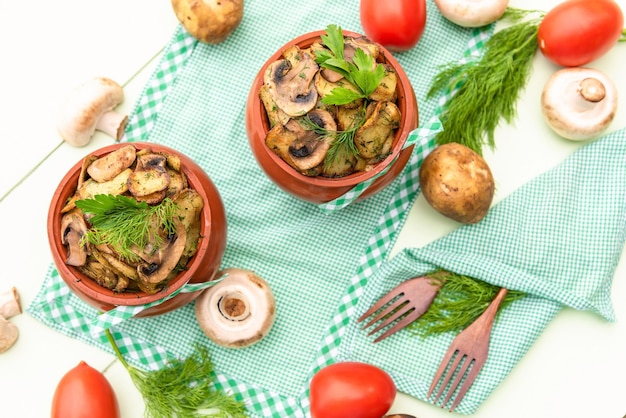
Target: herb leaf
x,y
183,388
364,73
123,222
364,77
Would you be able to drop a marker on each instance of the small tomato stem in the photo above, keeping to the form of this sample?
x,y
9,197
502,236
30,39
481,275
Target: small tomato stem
x,y
622,38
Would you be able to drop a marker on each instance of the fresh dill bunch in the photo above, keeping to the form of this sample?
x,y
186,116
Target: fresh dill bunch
x,y
486,90
342,142
459,302
183,388
123,222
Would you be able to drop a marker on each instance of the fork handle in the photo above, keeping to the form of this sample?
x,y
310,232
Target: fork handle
x,y
492,309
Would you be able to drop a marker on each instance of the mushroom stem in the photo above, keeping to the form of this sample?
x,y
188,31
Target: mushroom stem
x,y
592,90
233,306
113,124
10,303
8,334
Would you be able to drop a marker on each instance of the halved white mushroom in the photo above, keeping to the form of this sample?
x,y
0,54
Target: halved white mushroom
x,y
237,312
73,227
90,107
472,13
290,81
8,334
579,103
10,303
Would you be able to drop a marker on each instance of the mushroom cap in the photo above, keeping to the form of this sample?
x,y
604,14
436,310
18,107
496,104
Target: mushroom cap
x,y
84,107
472,13
579,103
237,312
209,21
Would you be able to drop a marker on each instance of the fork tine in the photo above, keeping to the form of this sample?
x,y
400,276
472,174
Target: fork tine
x,y
394,293
403,310
398,303
459,376
440,371
471,377
410,317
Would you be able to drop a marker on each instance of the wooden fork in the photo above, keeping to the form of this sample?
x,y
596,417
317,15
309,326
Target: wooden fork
x,y
409,300
469,348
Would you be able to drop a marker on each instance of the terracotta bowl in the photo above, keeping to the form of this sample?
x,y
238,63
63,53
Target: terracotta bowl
x,y
321,189
202,266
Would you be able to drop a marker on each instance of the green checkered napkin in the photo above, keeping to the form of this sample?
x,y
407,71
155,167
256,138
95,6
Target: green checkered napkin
x,y
559,238
316,262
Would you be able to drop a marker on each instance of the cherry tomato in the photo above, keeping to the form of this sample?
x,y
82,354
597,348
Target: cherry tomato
x,y
395,24
351,389
84,392
577,32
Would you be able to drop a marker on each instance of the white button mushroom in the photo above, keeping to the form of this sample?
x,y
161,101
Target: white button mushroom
x,y
579,103
90,107
472,13
237,312
10,303
8,334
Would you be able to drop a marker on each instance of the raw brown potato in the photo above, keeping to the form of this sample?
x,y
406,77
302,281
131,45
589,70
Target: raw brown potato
x,y
209,21
457,182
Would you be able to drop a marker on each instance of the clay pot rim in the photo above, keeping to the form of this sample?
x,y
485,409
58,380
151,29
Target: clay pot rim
x,y
351,180
85,284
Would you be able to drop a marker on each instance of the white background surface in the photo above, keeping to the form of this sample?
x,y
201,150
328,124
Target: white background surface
x,y
576,369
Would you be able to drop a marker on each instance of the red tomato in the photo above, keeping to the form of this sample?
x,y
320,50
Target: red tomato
x,y
577,32
84,392
395,24
351,389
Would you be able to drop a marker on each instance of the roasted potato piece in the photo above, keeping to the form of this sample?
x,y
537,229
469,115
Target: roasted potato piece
x,y
150,175
386,90
382,119
88,189
107,167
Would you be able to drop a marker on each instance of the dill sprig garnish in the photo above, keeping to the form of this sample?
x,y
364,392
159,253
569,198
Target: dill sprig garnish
x,y
342,141
182,389
485,91
459,302
123,222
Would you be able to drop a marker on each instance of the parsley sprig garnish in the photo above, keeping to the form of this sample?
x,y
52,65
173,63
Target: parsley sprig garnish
x,y
362,72
123,222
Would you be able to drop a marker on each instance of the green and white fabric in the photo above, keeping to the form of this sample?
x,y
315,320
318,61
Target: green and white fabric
x,y
326,266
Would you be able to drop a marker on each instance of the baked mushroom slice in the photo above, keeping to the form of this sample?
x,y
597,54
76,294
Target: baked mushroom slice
x,y
8,334
274,114
237,312
579,103
382,118
290,82
386,89
189,204
73,227
153,275
150,176
107,167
